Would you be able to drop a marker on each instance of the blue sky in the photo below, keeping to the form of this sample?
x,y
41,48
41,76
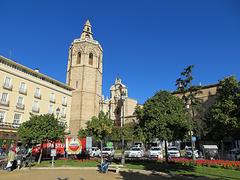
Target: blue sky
x,y
147,42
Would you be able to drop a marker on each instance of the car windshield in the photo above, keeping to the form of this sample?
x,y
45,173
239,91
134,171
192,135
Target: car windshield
x,y
172,149
155,149
135,149
106,149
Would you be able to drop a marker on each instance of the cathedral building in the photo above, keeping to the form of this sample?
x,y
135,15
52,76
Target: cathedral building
x,y
84,75
119,106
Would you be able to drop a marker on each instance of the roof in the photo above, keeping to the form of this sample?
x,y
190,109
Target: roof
x,y
210,147
11,63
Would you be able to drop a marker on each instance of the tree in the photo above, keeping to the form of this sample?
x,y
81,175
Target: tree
x,y
99,127
223,119
41,128
164,117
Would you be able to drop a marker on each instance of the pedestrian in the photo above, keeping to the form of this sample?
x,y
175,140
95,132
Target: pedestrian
x,y
10,158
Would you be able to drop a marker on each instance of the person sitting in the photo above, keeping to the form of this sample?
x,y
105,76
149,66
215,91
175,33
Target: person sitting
x,y
104,166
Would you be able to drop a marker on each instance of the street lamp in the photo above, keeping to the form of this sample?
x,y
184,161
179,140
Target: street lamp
x,y
190,129
122,97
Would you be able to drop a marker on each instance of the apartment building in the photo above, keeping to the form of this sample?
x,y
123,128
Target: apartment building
x,y
24,91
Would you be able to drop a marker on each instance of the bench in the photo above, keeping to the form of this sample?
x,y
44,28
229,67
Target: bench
x,y
115,167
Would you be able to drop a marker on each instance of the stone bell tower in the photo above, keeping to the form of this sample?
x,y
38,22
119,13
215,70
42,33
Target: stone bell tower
x,y
84,74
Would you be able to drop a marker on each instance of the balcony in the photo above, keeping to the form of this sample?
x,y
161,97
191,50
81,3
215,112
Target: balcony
x,y
7,86
15,125
9,125
52,100
35,109
63,115
64,103
4,103
20,106
23,91
37,95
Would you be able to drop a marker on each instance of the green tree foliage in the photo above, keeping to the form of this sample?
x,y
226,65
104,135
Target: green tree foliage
x,y
189,95
99,127
128,131
164,117
40,129
223,119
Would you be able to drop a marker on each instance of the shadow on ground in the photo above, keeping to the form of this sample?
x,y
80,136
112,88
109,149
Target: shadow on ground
x,y
171,171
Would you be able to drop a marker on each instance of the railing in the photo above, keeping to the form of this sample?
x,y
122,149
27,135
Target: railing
x,y
4,103
63,115
20,106
37,95
64,103
35,109
52,100
9,125
7,86
23,91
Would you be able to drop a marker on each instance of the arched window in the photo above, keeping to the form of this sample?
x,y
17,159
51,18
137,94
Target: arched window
x,y
90,59
79,58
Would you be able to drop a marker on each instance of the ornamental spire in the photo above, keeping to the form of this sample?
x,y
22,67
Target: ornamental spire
x,y
87,31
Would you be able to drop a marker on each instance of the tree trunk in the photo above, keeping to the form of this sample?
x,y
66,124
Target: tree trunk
x,y
101,152
40,156
166,151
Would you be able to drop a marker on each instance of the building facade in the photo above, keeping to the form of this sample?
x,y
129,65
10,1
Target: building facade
x,y
84,75
120,107
24,91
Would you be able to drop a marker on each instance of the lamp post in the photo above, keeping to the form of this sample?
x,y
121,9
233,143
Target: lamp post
x,y
190,129
53,151
122,96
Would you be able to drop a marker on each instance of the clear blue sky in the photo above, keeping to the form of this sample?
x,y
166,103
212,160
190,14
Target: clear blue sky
x,y
148,43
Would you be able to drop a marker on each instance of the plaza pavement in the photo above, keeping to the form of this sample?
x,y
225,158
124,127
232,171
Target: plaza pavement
x,y
79,174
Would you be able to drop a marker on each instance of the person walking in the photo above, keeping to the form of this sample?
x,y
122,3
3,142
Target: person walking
x,y
10,158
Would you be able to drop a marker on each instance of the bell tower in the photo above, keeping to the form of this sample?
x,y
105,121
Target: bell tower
x,y
84,74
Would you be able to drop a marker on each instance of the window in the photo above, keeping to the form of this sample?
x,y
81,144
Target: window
x,y
35,107
4,99
37,93
50,109
17,118
64,101
63,113
20,103
7,83
79,58
2,116
52,97
23,88
90,59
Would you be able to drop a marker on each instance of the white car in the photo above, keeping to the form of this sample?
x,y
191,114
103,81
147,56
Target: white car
x,y
155,152
173,151
95,151
136,152
188,153
107,151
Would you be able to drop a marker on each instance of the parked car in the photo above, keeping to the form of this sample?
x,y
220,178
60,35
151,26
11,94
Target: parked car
x,y
95,151
188,153
173,152
107,151
136,152
155,152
